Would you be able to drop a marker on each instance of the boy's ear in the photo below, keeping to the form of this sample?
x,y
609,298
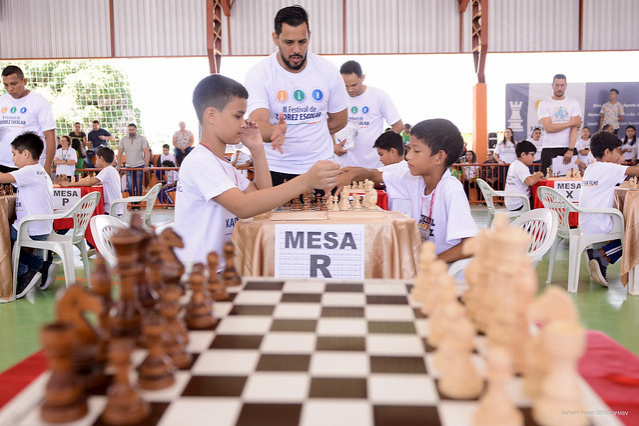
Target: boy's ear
x,y
441,157
393,150
210,114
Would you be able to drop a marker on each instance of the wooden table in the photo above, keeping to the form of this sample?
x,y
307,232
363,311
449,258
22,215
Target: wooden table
x,y
391,243
627,201
7,216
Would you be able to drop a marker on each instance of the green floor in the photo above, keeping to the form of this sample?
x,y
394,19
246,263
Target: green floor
x,y
610,310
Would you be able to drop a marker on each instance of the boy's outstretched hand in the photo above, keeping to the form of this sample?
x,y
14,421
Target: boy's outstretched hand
x,y
251,136
323,175
279,134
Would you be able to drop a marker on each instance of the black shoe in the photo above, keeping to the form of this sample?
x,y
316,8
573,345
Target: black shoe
x,y
26,281
49,272
598,271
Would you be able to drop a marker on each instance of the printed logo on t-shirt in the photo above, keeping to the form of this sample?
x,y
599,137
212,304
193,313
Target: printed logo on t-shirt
x,y
23,110
299,95
4,109
282,96
365,110
426,227
354,110
13,110
317,95
561,113
590,183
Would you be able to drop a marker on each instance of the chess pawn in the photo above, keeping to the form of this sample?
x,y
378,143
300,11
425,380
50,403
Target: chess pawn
x,y
344,204
446,298
63,398
157,370
495,407
101,287
306,201
357,205
124,404
323,203
199,310
215,286
230,277
178,337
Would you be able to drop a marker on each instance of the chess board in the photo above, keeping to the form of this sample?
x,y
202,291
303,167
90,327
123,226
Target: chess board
x,y
305,352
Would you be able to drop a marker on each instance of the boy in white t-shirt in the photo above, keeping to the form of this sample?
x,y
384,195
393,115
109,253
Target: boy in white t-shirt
x,y
519,179
108,177
211,194
597,190
35,196
428,190
166,155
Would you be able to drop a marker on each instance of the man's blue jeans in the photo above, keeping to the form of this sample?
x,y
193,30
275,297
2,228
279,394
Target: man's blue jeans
x,y
27,260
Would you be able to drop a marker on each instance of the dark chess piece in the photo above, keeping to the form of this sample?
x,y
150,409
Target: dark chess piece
x,y
306,201
178,338
124,405
85,357
157,370
215,286
101,287
323,207
63,398
147,295
296,206
172,269
230,277
199,310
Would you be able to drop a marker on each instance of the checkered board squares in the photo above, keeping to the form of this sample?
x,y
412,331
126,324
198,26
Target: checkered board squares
x,y
305,352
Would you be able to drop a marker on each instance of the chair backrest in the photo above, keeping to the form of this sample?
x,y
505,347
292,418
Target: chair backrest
x,y
553,200
103,227
488,193
150,199
81,214
541,225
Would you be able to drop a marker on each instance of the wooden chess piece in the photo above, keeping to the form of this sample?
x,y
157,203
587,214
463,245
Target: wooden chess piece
x,y
357,205
101,286
215,286
306,201
63,398
147,295
85,358
177,339
124,405
172,269
344,203
230,277
199,310
323,204
157,370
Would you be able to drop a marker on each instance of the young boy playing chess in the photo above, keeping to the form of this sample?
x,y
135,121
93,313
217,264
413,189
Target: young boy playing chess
x,y
211,194
519,179
598,190
108,177
35,196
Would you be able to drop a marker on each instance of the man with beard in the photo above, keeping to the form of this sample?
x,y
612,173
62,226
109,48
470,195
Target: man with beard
x,y
561,117
298,99
137,152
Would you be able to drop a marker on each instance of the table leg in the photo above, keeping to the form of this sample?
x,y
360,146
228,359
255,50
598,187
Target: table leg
x,y
633,281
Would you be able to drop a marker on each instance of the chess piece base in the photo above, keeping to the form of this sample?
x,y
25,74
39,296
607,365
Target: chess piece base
x,y
64,413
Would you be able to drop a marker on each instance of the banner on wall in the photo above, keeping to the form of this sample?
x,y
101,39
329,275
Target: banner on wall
x,y
523,99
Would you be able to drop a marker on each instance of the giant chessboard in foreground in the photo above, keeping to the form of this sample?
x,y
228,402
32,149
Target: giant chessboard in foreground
x,y
305,352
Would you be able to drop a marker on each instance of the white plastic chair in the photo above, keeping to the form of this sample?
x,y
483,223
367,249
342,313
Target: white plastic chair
x,y
541,225
578,243
62,245
150,199
488,193
103,227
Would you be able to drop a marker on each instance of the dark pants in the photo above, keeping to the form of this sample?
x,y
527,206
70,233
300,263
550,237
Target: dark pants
x,y
547,154
179,155
27,260
135,180
6,169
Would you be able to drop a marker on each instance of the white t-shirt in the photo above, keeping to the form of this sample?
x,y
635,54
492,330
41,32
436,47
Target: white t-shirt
x,y
632,154
559,112
171,177
517,173
203,224
65,154
110,179
35,196
539,145
506,152
401,166
17,116
598,190
305,98
367,113
450,220
580,145
170,157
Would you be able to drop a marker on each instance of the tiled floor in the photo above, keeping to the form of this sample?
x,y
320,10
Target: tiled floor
x,y
610,310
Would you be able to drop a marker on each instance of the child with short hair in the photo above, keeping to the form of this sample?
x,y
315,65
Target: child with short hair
x,y
169,184
519,179
166,155
108,177
598,191
34,197
65,158
211,194
437,199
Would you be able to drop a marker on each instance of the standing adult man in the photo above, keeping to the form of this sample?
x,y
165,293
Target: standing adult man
x,y
22,110
561,117
137,152
97,137
612,112
368,107
297,96
183,142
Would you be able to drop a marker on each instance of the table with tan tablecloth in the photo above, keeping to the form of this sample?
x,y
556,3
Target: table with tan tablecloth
x,y
392,242
7,216
627,201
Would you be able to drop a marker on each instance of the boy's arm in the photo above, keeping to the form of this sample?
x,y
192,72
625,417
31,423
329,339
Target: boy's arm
x,y
252,139
322,175
454,253
120,151
7,178
533,179
358,174
632,171
550,127
87,181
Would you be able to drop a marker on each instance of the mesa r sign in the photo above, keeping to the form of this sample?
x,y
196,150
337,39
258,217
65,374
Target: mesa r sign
x,y
318,250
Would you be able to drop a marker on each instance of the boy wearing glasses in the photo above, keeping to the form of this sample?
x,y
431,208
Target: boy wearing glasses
x,y
519,179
